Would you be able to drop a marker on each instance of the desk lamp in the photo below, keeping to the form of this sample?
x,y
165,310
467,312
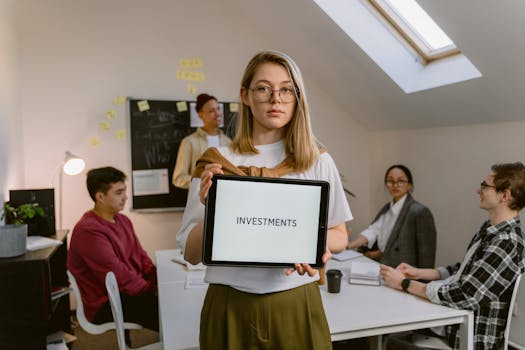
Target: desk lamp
x,y
72,165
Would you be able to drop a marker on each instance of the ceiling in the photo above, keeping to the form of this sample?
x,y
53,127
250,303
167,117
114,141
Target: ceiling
x,y
490,33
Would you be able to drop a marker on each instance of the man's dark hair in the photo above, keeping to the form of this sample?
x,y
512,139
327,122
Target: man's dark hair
x,y
511,176
101,179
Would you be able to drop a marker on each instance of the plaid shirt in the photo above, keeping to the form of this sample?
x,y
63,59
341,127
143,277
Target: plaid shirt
x,y
485,285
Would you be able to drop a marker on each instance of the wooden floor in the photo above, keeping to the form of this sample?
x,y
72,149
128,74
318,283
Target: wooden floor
x,y
108,340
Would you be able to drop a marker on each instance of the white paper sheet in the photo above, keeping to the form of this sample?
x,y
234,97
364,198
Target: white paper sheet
x,y
195,279
147,182
40,242
346,255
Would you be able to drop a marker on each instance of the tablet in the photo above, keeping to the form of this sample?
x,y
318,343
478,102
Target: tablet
x,y
272,222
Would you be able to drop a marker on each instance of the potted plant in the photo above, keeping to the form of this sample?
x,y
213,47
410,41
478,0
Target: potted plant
x,y
13,235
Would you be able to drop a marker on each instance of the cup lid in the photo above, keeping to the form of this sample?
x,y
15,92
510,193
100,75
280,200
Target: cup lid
x,y
334,272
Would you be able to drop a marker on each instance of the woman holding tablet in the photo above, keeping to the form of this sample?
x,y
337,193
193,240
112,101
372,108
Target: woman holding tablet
x,y
258,307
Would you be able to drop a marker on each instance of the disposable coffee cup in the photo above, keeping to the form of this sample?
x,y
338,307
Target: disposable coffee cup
x,y
334,280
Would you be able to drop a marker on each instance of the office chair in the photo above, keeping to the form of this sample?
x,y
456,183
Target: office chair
x,y
89,327
426,342
118,316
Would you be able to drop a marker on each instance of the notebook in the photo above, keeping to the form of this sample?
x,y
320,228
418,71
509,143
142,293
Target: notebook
x,y
346,255
364,272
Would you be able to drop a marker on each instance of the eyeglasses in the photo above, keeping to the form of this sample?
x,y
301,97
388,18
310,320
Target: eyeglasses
x,y
483,185
398,183
263,93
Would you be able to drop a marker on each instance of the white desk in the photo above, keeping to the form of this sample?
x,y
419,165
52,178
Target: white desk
x,y
357,311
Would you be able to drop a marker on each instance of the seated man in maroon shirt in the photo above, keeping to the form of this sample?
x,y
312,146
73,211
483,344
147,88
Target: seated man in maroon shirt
x,y
104,240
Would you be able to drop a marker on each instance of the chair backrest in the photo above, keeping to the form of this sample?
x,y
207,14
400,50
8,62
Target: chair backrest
x,y
116,308
511,310
118,315
89,327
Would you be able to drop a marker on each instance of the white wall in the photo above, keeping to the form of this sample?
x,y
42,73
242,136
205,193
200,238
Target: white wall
x,y
348,146
448,165
11,149
81,54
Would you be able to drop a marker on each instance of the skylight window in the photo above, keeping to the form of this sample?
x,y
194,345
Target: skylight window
x,y
417,27
441,63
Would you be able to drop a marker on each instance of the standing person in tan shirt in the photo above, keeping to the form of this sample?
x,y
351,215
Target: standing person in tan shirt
x,y
192,146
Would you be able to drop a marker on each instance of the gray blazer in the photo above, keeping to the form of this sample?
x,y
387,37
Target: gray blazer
x,y
413,237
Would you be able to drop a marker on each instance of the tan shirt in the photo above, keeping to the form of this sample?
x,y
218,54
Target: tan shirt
x,y
191,148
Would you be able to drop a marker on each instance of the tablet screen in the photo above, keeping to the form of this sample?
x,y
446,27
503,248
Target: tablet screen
x,y
265,221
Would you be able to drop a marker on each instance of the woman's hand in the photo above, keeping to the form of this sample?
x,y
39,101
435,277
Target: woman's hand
x,y
392,277
306,268
374,254
206,176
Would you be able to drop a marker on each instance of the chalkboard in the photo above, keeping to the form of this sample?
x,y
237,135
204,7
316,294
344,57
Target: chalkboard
x,y
157,128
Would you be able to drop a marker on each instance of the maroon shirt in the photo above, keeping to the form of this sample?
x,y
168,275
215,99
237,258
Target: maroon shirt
x,y
98,246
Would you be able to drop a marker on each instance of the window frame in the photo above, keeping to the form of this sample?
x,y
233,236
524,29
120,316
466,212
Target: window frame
x,y
413,39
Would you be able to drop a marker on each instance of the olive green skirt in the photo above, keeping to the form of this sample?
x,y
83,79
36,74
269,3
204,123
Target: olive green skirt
x,y
292,319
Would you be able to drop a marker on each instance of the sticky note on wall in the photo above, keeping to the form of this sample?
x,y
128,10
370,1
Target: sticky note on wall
x,y
182,106
119,100
104,126
143,105
111,114
234,107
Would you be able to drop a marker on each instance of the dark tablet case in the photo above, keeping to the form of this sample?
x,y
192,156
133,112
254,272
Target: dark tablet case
x,y
209,221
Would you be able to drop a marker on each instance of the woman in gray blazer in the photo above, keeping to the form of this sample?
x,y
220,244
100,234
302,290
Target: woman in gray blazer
x,y
403,230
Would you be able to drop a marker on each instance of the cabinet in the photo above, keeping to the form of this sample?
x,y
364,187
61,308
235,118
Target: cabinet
x,y
27,312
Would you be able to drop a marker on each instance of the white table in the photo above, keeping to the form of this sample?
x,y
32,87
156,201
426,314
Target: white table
x,y
357,311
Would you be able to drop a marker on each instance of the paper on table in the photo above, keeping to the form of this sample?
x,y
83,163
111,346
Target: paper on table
x,y
58,340
357,280
364,269
195,279
57,346
364,273
40,242
189,266
346,255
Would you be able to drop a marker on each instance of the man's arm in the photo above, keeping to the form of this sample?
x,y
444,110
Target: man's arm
x,y
485,279
394,278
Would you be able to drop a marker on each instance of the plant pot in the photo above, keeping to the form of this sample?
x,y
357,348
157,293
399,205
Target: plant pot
x,y
12,240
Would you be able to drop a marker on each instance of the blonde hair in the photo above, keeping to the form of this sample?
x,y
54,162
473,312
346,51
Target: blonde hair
x,y
299,140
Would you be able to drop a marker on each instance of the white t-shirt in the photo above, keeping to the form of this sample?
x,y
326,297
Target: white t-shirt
x,y
381,229
266,280
213,141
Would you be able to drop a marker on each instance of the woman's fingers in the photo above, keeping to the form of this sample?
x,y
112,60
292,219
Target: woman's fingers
x,y
206,176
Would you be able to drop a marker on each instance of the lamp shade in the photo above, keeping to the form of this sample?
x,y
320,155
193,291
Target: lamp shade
x,y
73,165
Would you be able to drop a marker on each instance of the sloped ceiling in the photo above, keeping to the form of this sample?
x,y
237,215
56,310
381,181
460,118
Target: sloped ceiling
x,y
491,34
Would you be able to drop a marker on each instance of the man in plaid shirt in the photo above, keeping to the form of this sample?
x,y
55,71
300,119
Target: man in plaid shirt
x,y
484,281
